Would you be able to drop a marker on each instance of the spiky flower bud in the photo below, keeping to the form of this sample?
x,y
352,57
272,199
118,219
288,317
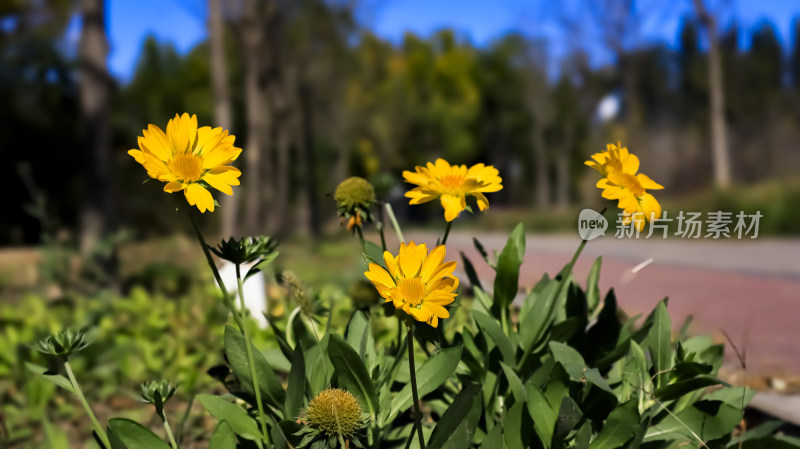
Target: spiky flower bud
x,y
335,412
158,393
64,343
246,249
354,199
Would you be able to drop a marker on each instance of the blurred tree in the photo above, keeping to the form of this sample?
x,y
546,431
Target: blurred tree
x,y
95,87
223,115
719,139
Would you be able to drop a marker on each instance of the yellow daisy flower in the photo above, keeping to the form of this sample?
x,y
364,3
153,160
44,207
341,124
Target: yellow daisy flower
x,y
419,283
451,184
190,159
620,182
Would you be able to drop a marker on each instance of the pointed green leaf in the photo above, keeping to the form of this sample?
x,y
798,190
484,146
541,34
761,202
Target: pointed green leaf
x,y
453,418
352,372
240,422
50,376
268,381
135,435
506,283
223,437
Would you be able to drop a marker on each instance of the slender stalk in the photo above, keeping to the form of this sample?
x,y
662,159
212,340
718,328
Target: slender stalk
x,y
395,225
78,392
229,304
564,277
447,232
182,424
414,393
361,238
169,433
379,225
250,359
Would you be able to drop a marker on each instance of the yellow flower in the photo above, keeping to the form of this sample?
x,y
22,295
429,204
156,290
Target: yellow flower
x,y
189,158
419,283
620,182
451,184
335,412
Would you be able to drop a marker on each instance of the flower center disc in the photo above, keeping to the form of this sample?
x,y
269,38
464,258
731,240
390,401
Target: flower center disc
x,y
631,183
452,182
412,290
187,167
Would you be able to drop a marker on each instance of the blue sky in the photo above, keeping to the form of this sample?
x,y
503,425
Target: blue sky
x,y
182,22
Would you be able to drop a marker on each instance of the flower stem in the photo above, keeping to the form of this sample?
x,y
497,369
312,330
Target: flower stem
x,y
414,393
564,277
250,359
361,238
78,392
169,433
395,225
229,304
380,227
447,232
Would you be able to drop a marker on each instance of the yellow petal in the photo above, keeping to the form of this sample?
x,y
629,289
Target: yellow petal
x,y
197,195
379,276
483,203
410,258
174,186
219,182
648,183
453,206
431,263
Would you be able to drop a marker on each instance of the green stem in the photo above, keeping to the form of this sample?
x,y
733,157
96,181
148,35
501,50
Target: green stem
x,y
395,225
414,393
447,232
564,279
78,392
361,238
250,359
169,433
379,225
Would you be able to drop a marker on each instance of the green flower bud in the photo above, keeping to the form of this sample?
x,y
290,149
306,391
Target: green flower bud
x,y
158,393
64,343
246,250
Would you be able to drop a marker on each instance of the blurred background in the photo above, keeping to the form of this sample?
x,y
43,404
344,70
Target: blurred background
x,y
705,92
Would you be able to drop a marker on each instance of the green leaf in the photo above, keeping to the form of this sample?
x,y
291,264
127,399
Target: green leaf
x,y
660,344
494,439
372,253
517,389
569,358
268,381
241,423
359,337
619,427
431,375
135,435
506,283
593,287
569,415
512,426
472,275
544,417
452,420
491,327
686,386
50,376
296,388
352,372
261,265
539,312
223,437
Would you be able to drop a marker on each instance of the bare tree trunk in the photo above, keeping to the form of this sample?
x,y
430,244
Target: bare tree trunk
x,y
95,105
719,141
222,102
540,165
309,154
257,120
562,168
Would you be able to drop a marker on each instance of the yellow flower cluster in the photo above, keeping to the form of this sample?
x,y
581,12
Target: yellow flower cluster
x,y
419,283
451,184
189,159
620,182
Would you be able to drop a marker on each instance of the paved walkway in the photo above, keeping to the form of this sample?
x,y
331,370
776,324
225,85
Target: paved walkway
x,y
750,289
